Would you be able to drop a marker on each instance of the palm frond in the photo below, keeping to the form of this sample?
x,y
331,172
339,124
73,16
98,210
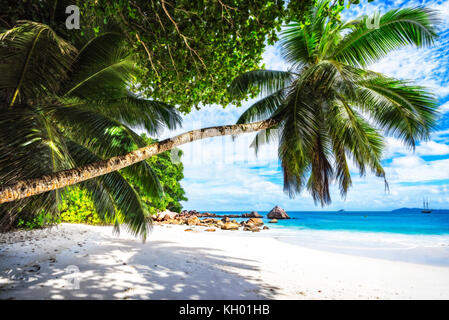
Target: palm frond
x,y
102,201
349,130
263,108
400,108
138,112
102,69
126,200
264,137
397,28
341,167
294,161
31,54
297,132
267,81
30,147
145,178
106,138
297,45
98,46
321,171
301,42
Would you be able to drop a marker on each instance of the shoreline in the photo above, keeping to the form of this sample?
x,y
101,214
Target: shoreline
x,y
412,248
220,265
427,248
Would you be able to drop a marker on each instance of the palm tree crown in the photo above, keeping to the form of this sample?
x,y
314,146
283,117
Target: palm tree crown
x,y
64,106
329,107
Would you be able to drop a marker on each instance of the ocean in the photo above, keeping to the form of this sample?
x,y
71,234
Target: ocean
x,y
402,222
402,235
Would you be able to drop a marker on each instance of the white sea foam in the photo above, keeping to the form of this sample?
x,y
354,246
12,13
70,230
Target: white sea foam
x,y
423,249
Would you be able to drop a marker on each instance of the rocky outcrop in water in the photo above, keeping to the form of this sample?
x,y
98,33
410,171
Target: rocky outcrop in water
x,y
277,213
252,214
211,220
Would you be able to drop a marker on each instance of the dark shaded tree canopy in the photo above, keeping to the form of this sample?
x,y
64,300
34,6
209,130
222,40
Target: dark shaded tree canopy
x,y
188,51
191,50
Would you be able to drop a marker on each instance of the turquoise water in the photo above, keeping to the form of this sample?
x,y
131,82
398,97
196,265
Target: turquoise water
x,y
393,235
414,222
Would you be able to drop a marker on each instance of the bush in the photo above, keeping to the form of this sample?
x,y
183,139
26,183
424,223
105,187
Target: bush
x,y
39,221
77,207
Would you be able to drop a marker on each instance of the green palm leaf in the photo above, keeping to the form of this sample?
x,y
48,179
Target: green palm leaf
x,y
264,137
123,195
32,53
138,112
107,138
397,28
263,109
267,81
102,69
80,111
29,148
330,111
298,46
399,107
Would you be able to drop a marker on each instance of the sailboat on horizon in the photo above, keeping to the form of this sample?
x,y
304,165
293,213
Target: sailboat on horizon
x,y
426,208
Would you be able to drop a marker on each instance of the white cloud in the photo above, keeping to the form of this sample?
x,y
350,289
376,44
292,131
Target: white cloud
x,y
272,61
229,187
395,147
432,148
444,108
415,169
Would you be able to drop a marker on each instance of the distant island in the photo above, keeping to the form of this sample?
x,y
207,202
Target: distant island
x,y
418,210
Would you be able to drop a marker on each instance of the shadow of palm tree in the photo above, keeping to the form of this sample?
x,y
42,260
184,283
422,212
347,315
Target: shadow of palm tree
x,y
124,269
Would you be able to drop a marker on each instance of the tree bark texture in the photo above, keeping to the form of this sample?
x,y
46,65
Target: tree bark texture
x,y
61,179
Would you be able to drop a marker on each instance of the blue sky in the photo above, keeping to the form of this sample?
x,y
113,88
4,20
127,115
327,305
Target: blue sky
x,y
225,175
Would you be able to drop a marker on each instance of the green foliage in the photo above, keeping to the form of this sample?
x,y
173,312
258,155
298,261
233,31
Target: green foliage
x,y
65,106
297,10
329,108
187,51
64,98
78,207
38,221
169,175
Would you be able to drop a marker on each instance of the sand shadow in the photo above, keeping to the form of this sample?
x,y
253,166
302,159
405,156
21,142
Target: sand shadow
x,y
154,270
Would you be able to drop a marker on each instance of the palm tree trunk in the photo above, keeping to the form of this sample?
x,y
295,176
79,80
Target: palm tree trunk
x,y
61,179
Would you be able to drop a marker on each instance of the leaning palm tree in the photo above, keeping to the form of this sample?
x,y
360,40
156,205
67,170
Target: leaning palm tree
x,y
64,106
328,108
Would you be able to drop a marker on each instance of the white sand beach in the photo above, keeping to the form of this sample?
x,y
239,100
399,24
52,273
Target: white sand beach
x,y
174,264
